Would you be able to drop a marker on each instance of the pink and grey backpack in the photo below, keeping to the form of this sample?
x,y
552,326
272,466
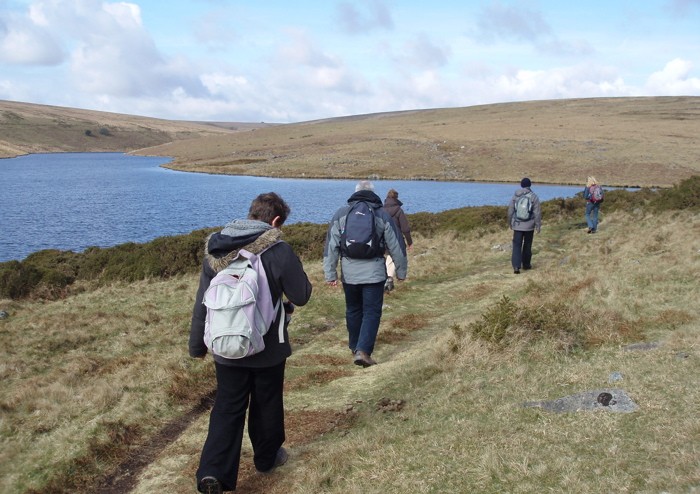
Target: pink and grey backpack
x,y
239,308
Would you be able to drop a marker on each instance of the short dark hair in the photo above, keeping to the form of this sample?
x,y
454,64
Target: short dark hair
x,y
267,206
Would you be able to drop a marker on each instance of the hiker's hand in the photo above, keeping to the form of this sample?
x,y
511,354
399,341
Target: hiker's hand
x,y
332,283
537,230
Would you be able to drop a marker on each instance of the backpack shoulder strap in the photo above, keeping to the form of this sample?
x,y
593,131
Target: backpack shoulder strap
x,y
278,305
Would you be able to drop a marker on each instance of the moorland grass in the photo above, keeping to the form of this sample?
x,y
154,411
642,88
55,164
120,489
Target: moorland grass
x,y
89,379
622,141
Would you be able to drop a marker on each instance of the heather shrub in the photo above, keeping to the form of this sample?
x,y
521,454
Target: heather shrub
x,y
307,239
685,195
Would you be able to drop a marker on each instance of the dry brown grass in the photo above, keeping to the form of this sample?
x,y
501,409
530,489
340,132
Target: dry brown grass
x,y
440,413
622,141
29,128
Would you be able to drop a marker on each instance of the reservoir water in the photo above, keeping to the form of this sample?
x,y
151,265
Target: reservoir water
x,y
71,201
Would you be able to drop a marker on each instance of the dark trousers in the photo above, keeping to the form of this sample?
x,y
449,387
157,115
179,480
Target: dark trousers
x,y
258,390
522,249
363,312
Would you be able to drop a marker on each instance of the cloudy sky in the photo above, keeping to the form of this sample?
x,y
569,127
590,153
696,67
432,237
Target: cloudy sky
x,y
291,61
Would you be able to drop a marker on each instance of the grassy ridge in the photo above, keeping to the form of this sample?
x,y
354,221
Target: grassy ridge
x,y
28,128
622,141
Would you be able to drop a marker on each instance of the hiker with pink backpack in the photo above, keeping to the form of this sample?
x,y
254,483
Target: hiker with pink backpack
x,y
594,195
240,317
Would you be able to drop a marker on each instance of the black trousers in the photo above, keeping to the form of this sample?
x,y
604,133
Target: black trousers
x,y
522,249
258,390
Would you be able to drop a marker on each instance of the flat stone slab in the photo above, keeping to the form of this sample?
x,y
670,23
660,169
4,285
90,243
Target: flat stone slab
x,y
608,399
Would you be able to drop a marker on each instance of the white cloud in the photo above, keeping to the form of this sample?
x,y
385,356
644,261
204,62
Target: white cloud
x,y
25,41
300,50
364,17
110,53
515,23
674,79
424,53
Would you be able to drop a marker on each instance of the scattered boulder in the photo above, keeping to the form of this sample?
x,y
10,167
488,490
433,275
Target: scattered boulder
x,y
4,315
612,400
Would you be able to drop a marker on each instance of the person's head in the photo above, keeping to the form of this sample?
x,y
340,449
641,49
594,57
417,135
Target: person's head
x,y
591,181
392,194
364,185
270,208
525,183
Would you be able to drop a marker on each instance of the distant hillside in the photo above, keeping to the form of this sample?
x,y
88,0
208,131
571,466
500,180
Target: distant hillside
x,y
622,141
29,128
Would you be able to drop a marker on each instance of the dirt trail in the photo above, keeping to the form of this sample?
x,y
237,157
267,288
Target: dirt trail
x,y
125,476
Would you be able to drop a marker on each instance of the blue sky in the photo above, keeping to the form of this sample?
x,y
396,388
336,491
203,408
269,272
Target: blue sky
x,y
282,61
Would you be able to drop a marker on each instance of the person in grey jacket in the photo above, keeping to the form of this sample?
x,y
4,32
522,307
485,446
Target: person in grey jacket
x,y
252,384
524,230
363,279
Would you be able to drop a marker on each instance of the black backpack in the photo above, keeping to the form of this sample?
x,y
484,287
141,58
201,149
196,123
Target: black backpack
x,y
358,238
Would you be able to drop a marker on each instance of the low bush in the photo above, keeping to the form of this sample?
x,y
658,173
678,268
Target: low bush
x,y
685,195
17,280
307,239
567,326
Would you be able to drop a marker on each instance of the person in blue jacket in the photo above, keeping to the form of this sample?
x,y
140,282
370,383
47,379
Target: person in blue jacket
x,y
592,206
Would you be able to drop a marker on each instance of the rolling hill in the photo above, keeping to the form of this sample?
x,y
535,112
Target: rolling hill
x,y
649,141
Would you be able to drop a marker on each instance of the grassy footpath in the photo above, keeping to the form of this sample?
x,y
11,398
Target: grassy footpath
x,y
96,387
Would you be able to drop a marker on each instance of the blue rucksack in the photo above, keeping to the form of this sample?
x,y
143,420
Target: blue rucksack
x,y
358,237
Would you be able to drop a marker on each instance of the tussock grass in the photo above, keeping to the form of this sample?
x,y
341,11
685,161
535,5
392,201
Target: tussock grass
x,y
107,371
